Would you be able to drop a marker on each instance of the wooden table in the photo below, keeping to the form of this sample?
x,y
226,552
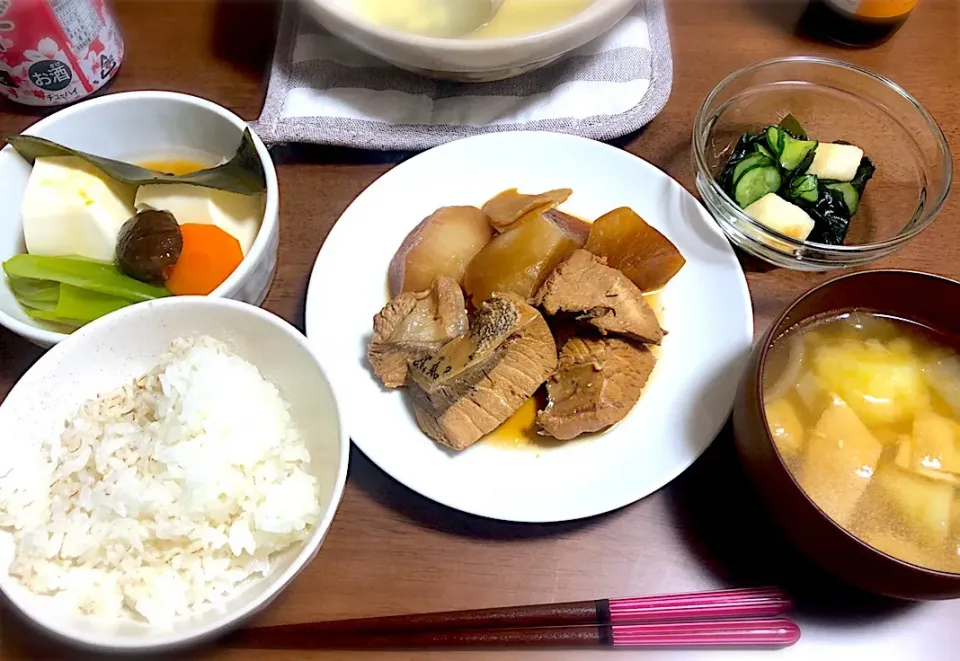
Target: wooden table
x,y
391,551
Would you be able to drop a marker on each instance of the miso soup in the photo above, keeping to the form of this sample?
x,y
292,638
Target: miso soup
x,y
865,411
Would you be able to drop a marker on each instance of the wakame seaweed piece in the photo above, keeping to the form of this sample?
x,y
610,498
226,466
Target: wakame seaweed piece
x,y
241,174
789,151
831,218
798,172
851,197
864,173
792,125
852,191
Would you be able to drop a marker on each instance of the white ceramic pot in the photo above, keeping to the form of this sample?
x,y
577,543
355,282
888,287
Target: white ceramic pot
x,y
468,60
120,346
137,126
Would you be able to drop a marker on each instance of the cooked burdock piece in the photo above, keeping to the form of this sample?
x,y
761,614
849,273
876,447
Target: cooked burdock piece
x,y
601,296
442,244
634,248
510,206
471,385
597,382
413,325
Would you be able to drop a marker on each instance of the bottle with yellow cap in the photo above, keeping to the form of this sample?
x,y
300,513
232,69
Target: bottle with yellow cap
x,y
856,22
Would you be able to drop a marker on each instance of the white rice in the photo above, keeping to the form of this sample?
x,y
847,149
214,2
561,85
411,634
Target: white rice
x,y
165,493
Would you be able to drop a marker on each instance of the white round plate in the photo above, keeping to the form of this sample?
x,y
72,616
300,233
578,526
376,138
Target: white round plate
x,y
707,314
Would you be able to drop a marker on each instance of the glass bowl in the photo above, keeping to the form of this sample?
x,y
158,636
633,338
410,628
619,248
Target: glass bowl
x,y
833,101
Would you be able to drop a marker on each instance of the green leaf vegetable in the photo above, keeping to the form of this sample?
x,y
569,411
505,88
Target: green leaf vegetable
x,y
71,291
241,174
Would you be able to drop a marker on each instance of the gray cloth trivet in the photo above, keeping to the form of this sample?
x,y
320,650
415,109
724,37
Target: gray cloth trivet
x,y
322,90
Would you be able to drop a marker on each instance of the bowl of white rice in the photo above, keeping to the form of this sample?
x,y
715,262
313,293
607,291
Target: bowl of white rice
x,y
165,472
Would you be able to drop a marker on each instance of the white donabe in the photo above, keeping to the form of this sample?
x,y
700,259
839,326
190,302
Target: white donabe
x,y
164,494
782,216
71,208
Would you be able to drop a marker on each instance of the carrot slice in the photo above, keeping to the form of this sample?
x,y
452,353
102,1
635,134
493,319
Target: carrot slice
x,y
209,256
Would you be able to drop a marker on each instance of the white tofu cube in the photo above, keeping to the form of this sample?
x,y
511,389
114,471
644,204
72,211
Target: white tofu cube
x,y
782,216
838,162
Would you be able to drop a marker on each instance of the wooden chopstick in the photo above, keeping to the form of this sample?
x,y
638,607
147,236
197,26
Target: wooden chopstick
x,y
743,634
713,605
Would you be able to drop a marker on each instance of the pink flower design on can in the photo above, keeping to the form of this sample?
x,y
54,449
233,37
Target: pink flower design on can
x,y
47,49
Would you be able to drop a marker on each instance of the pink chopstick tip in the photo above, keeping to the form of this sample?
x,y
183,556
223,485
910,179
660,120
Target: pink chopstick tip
x,y
775,632
716,604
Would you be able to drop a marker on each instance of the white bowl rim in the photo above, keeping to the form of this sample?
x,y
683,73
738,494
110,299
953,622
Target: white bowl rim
x,y
270,212
310,545
596,11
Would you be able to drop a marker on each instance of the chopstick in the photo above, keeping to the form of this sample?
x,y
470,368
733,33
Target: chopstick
x,y
596,616
765,633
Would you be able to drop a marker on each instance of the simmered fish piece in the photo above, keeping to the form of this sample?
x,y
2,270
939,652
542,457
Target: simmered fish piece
x,y
412,325
601,296
597,382
467,388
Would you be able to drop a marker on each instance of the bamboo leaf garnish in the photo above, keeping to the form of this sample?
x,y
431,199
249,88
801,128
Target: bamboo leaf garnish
x,y
241,174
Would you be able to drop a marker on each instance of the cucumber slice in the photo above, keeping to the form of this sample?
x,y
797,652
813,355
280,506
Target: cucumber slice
x,y
748,163
763,150
850,195
789,151
805,188
760,180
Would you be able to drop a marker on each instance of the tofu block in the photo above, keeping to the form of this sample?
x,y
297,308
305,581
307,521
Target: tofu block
x,y
935,443
785,426
923,504
71,208
836,162
840,458
943,377
909,459
782,216
904,456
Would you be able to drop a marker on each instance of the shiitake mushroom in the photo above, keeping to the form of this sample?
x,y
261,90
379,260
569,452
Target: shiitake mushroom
x,y
149,245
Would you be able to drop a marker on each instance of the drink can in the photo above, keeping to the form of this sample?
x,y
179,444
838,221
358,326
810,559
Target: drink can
x,y
54,52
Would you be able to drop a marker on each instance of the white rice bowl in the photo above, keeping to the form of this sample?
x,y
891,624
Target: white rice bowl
x,y
254,506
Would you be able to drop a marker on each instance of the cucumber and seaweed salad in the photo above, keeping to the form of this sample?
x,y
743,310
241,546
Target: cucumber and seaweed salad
x,y
776,160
